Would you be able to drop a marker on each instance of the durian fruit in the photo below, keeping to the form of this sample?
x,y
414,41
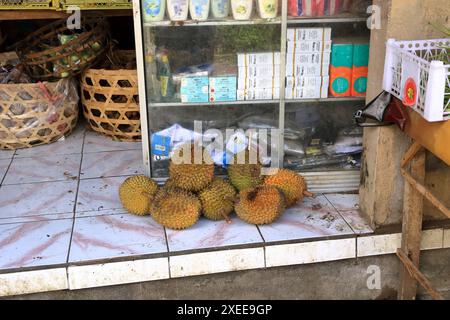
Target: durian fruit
x,y
218,200
191,176
290,183
136,194
260,205
175,208
245,175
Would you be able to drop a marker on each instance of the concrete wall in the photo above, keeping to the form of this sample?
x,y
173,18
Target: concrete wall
x,y
334,280
381,183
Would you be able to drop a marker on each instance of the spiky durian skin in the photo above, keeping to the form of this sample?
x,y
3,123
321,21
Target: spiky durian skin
x,y
175,208
244,175
191,176
136,194
260,205
290,183
218,199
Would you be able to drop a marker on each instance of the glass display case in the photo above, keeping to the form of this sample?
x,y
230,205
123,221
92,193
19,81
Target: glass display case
x,y
209,66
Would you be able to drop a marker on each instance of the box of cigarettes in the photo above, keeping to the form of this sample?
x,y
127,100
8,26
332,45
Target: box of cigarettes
x,y
261,70
222,89
246,59
303,81
263,82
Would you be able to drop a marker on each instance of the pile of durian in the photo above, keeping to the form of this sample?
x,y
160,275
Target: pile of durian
x,y
192,190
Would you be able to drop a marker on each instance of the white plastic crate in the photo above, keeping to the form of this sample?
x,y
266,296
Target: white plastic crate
x,y
406,59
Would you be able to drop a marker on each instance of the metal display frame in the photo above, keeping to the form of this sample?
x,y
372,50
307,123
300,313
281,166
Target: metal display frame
x,y
320,181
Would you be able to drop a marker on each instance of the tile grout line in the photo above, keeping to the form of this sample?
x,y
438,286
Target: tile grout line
x,y
168,252
7,169
74,210
264,246
340,215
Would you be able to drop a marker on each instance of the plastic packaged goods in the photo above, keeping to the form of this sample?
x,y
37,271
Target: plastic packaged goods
x,y
341,70
267,9
242,9
37,113
178,9
360,69
153,10
220,8
199,9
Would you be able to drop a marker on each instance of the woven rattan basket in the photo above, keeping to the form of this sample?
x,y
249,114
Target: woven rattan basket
x,y
55,51
38,113
110,102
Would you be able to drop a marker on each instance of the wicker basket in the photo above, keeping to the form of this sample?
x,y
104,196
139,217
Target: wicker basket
x,y
110,102
45,58
38,113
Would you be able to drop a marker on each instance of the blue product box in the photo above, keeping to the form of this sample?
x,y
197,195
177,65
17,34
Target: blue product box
x,y
194,89
222,89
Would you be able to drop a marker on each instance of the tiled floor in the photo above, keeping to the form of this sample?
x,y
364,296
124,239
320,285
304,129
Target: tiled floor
x,y
59,205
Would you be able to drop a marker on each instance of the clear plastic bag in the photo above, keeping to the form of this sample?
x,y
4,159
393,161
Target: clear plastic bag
x,y
37,113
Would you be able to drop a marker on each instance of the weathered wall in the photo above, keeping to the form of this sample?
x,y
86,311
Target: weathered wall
x,y
381,183
334,280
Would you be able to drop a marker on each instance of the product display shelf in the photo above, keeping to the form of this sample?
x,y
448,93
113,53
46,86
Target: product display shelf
x,y
186,46
53,14
342,18
245,102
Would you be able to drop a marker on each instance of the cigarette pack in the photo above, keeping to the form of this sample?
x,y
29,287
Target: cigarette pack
x,y
194,89
261,70
263,82
246,59
222,89
303,81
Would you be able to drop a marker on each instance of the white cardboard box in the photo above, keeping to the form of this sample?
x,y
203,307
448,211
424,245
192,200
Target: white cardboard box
x,y
307,70
308,46
261,70
325,87
259,82
303,81
257,58
258,94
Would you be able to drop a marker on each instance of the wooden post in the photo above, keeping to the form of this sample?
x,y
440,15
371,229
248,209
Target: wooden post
x,y
412,221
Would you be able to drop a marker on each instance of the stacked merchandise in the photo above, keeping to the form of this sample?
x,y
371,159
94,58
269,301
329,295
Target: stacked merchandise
x,y
320,8
258,76
349,70
307,63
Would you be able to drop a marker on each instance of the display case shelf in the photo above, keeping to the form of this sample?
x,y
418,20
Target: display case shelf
x,y
343,18
245,102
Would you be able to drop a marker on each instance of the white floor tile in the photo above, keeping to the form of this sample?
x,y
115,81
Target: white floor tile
x,y
50,168
358,223
34,243
104,237
115,273
216,262
344,202
4,164
96,142
37,199
96,195
111,164
6,154
27,282
67,145
313,218
310,252
211,234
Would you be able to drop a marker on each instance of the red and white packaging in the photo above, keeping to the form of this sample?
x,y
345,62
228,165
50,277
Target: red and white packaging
x,y
313,8
333,7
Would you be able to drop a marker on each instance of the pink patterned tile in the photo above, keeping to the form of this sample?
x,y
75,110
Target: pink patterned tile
x,y
344,202
96,195
37,199
112,164
313,218
6,154
4,164
105,237
96,142
71,144
37,218
211,234
34,243
40,169
357,222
